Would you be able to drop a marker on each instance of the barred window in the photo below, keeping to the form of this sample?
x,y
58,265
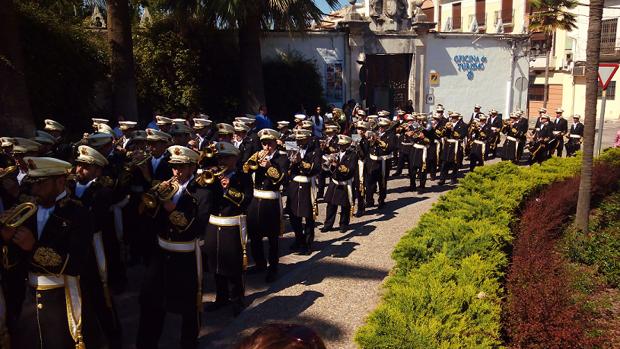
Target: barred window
x,y
611,91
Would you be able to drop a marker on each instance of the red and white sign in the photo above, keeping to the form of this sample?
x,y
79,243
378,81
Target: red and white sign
x,y
606,72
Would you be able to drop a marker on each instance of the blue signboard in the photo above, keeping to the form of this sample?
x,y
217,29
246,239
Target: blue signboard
x,y
470,64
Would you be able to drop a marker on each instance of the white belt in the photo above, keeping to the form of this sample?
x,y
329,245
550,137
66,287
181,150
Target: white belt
x,y
382,157
479,142
45,281
511,138
173,246
419,146
403,143
494,128
575,136
556,132
340,182
452,140
349,185
267,195
302,179
437,141
222,221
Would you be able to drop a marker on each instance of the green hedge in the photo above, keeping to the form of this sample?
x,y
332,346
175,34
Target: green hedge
x,y
446,288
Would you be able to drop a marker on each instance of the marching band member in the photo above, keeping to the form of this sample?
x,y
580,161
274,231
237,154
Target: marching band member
x,y
23,148
173,280
418,156
434,134
305,164
495,125
513,138
53,243
479,142
560,129
127,127
105,271
329,145
381,147
163,123
268,169
226,237
201,128
404,143
452,154
362,151
225,132
575,136
340,188
540,145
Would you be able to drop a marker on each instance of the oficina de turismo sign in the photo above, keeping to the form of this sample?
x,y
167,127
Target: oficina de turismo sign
x,y
470,64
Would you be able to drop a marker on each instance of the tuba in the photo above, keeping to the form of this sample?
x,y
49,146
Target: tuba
x,y
17,215
160,192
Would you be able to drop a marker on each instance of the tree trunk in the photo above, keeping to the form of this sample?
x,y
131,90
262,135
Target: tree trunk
x,y
121,60
252,85
592,60
546,92
15,113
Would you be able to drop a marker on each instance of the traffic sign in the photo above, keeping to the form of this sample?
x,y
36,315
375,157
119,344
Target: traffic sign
x,y
606,72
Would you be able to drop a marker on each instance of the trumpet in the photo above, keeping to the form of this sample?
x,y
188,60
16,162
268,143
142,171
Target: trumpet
x,y
17,215
160,192
329,161
209,176
254,161
7,171
138,158
209,152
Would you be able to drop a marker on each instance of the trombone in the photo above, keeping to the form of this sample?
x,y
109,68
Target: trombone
x,y
17,215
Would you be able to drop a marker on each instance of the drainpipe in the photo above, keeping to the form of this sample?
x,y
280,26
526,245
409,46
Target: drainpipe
x,y
509,83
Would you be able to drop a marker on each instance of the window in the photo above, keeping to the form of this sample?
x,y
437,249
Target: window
x,y
608,36
538,45
611,91
537,93
429,12
456,15
480,12
507,11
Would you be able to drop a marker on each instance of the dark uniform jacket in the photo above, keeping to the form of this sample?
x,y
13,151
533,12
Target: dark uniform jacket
x,y
453,152
576,129
416,156
337,193
299,193
171,278
383,146
264,217
223,243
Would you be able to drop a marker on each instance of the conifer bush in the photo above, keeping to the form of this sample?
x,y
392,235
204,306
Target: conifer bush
x,y
446,288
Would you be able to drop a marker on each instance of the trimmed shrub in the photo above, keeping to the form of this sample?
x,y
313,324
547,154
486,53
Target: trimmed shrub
x,y
446,287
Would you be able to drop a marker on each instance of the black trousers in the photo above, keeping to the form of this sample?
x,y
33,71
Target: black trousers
x,y
374,179
416,173
304,234
152,322
330,215
229,287
560,146
475,160
320,179
447,166
403,156
258,252
431,167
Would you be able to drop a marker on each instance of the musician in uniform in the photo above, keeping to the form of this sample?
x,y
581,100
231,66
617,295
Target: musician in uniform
x,y
362,151
575,136
164,124
340,189
226,237
173,280
22,148
61,148
522,128
305,165
540,146
404,143
434,133
106,273
285,131
418,157
495,126
201,128
479,138
127,127
53,243
381,148
329,145
268,169
475,114
560,129
541,112
225,132
510,146
452,154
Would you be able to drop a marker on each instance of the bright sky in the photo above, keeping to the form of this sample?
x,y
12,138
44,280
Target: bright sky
x,y
325,8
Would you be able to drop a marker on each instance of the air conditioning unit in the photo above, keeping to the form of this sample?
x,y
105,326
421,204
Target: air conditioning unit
x,y
499,26
448,26
474,26
579,70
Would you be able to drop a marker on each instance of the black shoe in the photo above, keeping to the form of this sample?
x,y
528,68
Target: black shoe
x,y
294,246
441,182
342,230
326,229
421,190
238,307
256,269
305,250
215,306
358,214
453,181
272,276
381,205
412,188
396,174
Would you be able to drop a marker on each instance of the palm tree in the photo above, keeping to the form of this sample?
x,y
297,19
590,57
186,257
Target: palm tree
x,y
249,17
547,17
15,113
592,60
121,59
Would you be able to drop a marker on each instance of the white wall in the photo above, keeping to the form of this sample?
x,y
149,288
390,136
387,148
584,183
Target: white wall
x,y
489,87
321,47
